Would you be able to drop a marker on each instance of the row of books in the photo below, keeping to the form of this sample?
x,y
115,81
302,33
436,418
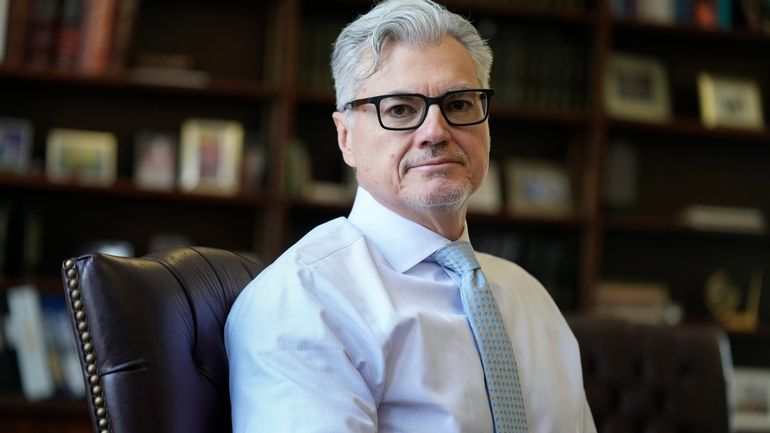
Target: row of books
x,y
701,13
38,350
21,238
87,36
555,5
317,39
757,14
550,258
539,67
535,67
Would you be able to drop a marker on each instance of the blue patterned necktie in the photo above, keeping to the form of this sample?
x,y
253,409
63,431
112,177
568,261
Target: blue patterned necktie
x,y
497,358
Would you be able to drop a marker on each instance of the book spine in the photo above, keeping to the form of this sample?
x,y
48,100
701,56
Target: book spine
x,y
97,32
41,34
4,9
125,15
68,42
26,330
18,14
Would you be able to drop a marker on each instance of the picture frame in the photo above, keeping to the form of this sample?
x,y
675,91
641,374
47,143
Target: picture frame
x,y
731,102
81,156
15,144
210,156
750,396
488,198
155,159
637,88
537,187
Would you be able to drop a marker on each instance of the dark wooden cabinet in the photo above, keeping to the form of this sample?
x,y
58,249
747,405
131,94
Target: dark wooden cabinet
x,y
265,65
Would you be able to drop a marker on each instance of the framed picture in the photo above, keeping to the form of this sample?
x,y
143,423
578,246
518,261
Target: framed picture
x,y
750,389
15,144
88,157
489,197
155,154
537,187
210,160
636,88
730,102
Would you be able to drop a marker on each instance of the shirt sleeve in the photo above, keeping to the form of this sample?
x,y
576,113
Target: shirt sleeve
x,y
588,419
300,360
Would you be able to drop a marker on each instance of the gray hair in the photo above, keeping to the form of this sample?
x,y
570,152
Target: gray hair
x,y
411,22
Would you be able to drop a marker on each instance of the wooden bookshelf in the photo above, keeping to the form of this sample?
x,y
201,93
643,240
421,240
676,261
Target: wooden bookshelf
x,y
255,59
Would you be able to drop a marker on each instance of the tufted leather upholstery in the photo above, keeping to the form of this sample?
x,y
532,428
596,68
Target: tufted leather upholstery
x,y
151,337
654,379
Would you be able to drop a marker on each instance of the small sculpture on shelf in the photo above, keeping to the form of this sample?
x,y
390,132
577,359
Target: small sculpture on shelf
x,y
724,298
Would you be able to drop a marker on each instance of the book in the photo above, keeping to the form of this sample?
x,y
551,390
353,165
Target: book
x,y
705,13
41,33
69,36
125,15
724,218
26,332
636,301
657,11
62,347
16,32
5,216
4,7
98,20
10,380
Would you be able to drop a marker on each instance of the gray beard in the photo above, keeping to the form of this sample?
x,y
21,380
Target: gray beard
x,y
449,198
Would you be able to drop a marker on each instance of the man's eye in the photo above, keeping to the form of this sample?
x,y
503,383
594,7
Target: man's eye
x,y
400,110
459,105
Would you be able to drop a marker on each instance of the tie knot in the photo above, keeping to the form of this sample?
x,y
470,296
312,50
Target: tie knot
x,y
457,256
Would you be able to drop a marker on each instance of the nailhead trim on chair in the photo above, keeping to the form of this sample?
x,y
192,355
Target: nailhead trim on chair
x,y
87,347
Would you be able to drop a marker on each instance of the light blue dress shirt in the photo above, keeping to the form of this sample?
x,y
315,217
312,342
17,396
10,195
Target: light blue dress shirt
x,y
356,329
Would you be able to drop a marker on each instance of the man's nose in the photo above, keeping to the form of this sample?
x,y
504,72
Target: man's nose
x,y
435,128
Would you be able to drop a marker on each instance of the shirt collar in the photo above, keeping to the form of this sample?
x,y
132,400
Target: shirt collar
x,y
403,242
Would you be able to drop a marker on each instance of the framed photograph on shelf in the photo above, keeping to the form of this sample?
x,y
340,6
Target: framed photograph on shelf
x,y
155,160
636,88
488,198
750,392
730,102
86,157
210,159
15,144
537,187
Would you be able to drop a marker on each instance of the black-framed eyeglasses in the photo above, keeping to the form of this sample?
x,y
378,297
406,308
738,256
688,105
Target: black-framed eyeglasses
x,y
404,111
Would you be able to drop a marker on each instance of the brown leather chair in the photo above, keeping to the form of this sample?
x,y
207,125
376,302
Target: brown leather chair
x,y
150,333
654,379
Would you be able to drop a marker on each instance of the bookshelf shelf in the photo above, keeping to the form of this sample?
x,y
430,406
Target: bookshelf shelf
x,y
45,284
574,119
662,225
690,32
125,188
216,86
71,408
574,16
691,128
570,221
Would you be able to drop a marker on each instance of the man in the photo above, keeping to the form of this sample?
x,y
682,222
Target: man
x,y
361,326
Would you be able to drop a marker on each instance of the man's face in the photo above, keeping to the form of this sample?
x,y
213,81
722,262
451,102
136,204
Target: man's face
x,y
434,167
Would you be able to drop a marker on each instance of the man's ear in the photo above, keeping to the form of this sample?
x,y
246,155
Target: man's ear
x,y
343,138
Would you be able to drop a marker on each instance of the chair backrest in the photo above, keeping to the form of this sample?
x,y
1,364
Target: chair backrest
x,y
150,337
654,378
